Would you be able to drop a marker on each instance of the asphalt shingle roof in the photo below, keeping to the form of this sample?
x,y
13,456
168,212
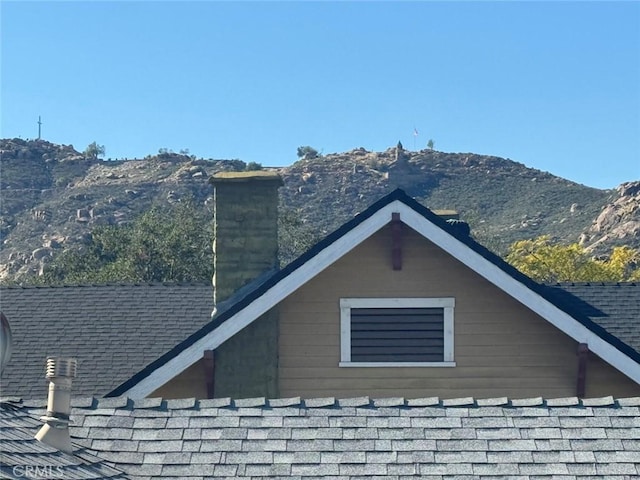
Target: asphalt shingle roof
x,y
22,456
613,306
360,438
113,331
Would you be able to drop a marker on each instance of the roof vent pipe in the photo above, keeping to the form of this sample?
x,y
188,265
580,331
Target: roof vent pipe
x,y
5,341
55,432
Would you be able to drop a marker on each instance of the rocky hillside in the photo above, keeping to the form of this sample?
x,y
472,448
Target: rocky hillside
x,y
52,195
502,200
618,222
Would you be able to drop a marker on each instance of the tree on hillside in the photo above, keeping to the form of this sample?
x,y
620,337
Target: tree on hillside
x,y
547,262
430,144
160,246
94,150
252,166
307,152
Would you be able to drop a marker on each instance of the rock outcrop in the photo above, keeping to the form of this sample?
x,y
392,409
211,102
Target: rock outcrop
x,y
619,221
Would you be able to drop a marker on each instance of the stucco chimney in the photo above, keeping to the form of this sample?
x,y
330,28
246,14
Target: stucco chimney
x,y
245,228
55,431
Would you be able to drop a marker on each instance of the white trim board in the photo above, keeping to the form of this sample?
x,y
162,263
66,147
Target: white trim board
x,y
447,304
345,244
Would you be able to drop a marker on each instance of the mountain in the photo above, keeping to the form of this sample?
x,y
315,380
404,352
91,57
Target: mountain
x,y
52,195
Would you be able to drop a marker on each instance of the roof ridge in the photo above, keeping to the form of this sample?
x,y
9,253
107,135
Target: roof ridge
x,y
159,403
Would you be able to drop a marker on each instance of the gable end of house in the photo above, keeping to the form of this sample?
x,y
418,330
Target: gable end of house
x,y
266,293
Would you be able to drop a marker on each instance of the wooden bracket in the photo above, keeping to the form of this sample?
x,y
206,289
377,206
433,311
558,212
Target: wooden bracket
x,y
209,371
396,249
583,354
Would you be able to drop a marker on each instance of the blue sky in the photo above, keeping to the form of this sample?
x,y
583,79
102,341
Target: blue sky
x,y
555,86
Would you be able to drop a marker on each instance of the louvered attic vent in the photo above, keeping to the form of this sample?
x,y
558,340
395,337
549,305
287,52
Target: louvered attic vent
x,y
397,334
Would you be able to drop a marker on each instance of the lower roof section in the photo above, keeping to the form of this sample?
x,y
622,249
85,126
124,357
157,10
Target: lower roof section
x,y
359,438
113,331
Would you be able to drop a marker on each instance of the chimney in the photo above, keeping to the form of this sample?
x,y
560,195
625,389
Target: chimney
x,y
245,228
55,432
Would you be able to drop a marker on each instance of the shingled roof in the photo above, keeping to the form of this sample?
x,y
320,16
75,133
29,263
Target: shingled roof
x,y
22,456
613,306
113,330
362,438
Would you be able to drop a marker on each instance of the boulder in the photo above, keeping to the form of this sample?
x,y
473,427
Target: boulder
x,y
40,253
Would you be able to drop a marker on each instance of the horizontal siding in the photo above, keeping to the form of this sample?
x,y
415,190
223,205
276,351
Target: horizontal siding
x,y
488,391
318,340
313,373
309,363
501,347
398,384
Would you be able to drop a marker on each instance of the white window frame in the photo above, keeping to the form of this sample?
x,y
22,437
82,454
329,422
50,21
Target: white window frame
x,y
346,304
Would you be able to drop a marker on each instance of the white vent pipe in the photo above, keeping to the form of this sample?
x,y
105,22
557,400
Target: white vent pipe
x,y
55,431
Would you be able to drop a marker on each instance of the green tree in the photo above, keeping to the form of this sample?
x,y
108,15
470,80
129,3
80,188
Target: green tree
x,y
547,262
294,236
251,166
94,150
307,152
162,245
430,144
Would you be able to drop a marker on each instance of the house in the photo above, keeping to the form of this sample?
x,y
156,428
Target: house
x,y
396,302
335,404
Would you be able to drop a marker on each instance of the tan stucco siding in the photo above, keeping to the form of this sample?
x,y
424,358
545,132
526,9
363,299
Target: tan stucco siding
x,y
501,347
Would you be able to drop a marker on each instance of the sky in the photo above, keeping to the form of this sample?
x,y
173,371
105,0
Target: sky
x,y
552,85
